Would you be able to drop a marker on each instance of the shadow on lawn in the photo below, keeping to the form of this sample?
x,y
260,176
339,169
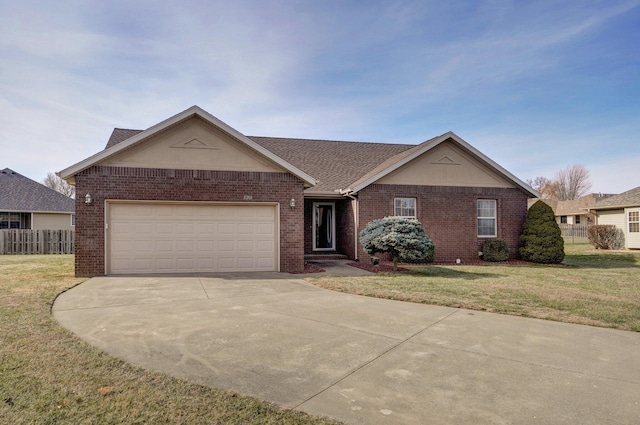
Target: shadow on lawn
x,y
606,260
436,271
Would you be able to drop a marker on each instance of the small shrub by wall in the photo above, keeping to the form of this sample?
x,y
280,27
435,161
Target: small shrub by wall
x,y
606,236
495,250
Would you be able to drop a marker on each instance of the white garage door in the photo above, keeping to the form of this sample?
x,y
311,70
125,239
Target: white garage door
x,y
189,238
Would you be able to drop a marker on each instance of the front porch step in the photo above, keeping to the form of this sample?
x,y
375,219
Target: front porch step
x,y
320,257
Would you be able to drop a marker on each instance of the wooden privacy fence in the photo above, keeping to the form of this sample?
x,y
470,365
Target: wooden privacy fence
x,y
25,241
574,231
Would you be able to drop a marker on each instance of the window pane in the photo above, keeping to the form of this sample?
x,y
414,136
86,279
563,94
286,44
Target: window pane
x,y
486,217
634,221
486,208
486,227
405,207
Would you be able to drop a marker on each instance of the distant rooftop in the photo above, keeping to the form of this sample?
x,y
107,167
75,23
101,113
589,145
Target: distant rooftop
x,y
21,194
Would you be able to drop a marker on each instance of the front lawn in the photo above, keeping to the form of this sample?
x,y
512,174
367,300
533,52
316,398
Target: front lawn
x,y
49,376
593,287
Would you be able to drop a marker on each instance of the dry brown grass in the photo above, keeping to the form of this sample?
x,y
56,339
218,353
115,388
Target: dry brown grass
x,y
49,376
597,288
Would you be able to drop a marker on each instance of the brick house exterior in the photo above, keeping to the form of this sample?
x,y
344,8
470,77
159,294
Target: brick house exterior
x,y
321,194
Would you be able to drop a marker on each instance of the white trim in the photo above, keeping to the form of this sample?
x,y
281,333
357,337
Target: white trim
x,y
415,207
432,144
495,218
195,111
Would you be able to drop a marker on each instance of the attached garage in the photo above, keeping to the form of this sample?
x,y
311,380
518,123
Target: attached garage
x,y
163,237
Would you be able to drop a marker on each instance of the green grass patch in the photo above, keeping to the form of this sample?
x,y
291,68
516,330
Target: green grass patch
x,y
592,287
49,376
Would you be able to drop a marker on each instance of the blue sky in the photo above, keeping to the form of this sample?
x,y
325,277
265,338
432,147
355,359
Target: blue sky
x,y
535,85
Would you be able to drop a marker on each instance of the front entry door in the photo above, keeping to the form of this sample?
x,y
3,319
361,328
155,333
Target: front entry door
x,y
324,226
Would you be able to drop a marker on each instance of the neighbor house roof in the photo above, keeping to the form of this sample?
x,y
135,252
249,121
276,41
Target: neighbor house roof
x,y
575,206
630,198
21,194
334,166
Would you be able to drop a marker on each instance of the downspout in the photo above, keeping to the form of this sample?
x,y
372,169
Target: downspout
x,y
356,220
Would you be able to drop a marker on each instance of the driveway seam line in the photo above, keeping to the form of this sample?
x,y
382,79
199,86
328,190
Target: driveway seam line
x,y
367,363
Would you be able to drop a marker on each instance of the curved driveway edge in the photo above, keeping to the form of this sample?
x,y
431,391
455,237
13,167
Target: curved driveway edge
x,y
358,359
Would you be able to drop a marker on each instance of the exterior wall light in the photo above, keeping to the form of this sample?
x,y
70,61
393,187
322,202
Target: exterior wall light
x,y
87,199
292,203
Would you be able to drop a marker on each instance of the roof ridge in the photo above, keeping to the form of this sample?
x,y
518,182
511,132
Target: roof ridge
x,y
331,141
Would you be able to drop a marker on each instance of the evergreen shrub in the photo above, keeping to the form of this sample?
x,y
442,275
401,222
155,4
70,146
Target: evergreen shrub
x,y
402,237
495,250
541,240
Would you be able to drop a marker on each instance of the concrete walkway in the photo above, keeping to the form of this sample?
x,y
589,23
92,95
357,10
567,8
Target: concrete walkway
x,y
357,359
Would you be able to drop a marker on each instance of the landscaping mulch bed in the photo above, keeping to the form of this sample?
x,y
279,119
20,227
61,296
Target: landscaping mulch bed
x,y
383,267
387,266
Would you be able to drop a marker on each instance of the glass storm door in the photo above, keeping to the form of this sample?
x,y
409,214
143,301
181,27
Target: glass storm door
x,y
324,226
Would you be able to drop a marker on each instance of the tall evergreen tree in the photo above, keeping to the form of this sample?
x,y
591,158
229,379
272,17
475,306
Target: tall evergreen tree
x,y
541,240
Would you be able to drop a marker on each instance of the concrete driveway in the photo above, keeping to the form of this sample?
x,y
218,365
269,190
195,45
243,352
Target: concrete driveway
x,y
357,359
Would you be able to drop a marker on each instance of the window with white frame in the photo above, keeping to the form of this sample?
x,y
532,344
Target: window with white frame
x,y
487,218
405,207
634,221
73,219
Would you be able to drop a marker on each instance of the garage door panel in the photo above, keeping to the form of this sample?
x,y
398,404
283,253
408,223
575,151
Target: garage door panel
x,y
163,238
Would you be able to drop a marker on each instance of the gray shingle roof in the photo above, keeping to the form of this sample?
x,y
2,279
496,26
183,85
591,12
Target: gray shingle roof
x,y
120,135
21,194
630,198
335,164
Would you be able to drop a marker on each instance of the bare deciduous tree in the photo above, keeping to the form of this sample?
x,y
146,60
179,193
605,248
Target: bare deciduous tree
x,y
567,184
54,182
572,182
545,187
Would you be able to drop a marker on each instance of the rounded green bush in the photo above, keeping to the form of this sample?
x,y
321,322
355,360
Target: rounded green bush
x,y
495,250
541,240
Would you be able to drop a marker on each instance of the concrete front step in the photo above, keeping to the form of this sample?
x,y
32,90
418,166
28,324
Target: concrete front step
x,y
321,257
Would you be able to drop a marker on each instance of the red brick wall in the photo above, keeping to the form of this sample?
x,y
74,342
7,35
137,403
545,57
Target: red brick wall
x,y
448,215
183,185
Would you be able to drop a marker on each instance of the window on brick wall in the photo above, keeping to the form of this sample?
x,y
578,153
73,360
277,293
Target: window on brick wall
x,y
487,218
405,207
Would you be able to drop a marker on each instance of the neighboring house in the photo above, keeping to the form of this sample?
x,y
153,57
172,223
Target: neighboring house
x,y
27,204
192,194
574,211
623,211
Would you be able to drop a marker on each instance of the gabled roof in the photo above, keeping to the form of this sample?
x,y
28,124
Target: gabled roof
x,y
331,167
21,194
630,198
408,155
194,111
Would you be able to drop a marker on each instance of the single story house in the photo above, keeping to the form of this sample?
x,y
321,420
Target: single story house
x,y
192,194
574,211
27,204
623,211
